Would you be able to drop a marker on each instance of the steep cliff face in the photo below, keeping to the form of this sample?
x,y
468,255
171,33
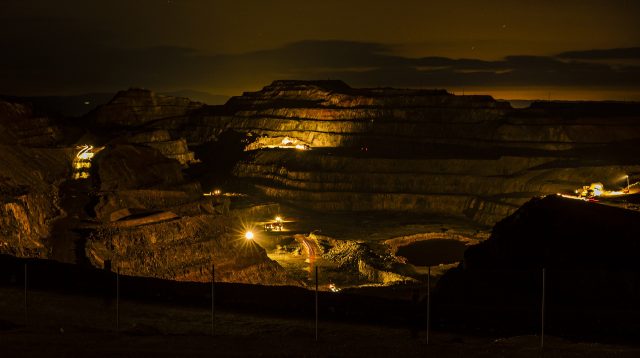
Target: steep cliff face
x,y
416,150
29,176
330,114
484,190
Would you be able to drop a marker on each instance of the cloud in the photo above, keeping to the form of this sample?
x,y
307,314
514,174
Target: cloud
x,y
608,54
100,67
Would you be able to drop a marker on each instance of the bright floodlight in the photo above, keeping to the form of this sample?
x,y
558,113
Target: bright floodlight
x,y
248,235
278,219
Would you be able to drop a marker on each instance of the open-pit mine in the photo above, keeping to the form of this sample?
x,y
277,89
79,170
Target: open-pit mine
x,y
373,186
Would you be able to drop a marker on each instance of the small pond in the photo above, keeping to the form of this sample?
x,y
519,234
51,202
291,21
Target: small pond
x,y
433,252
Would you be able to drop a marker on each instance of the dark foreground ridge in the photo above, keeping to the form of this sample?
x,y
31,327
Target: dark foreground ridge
x,y
589,252
283,301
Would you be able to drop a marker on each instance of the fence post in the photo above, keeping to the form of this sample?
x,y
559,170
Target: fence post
x,y
213,283
25,295
316,303
117,297
542,309
428,302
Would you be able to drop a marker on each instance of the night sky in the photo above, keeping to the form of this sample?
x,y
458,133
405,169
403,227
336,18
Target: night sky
x,y
563,49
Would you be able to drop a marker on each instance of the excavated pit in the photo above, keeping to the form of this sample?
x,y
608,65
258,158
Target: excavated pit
x,y
380,182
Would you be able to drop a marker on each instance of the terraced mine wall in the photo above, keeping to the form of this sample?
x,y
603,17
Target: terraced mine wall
x,y
417,150
483,190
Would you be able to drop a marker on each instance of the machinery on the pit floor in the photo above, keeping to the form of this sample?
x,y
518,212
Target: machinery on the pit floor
x,y
276,225
596,191
590,191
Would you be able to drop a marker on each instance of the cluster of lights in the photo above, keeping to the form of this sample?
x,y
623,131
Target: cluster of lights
x,y
82,161
288,143
216,192
588,192
276,225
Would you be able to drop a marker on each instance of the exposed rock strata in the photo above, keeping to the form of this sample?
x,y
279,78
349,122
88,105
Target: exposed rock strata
x,y
184,248
154,223
28,181
415,150
171,148
484,190
136,206
136,107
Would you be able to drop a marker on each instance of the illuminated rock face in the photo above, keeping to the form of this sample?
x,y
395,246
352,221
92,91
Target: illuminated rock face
x,y
415,150
184,249
155,223
330,114
131,201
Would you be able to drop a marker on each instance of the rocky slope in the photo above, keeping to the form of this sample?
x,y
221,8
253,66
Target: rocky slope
x,y
162,141
132,208
152,222
29,177
136,107
416,150
23,126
